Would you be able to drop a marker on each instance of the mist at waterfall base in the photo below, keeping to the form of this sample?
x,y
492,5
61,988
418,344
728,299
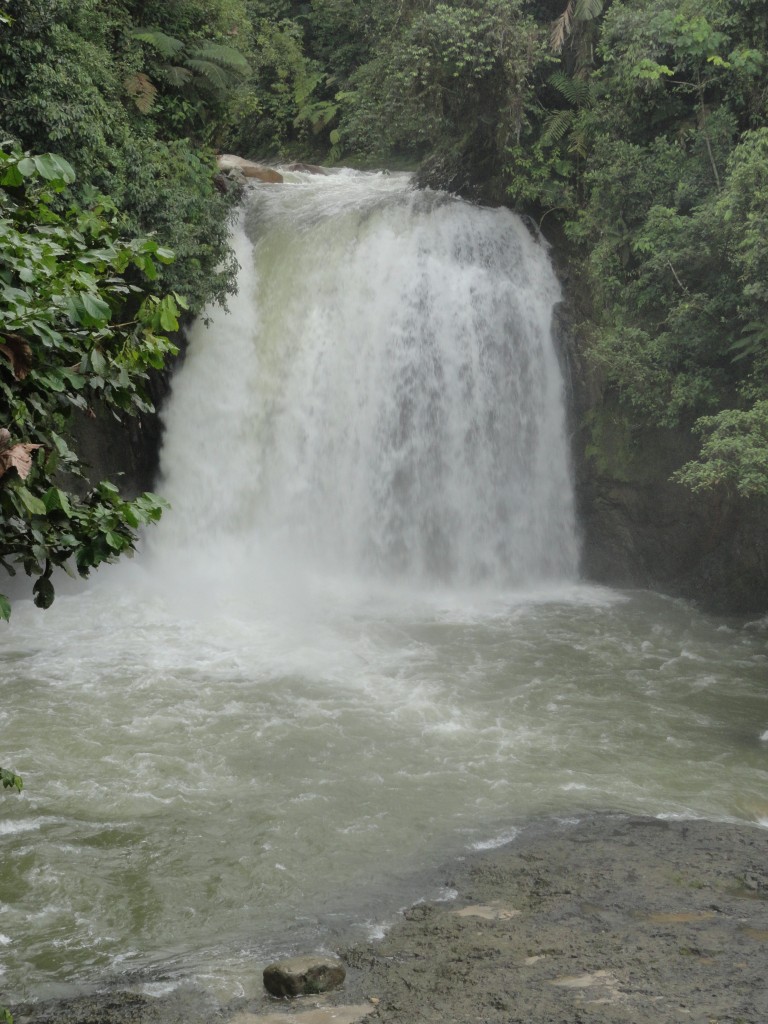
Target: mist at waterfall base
x,y
357,647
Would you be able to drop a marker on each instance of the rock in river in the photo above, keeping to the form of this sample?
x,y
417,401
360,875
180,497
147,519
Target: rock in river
x,y
303,975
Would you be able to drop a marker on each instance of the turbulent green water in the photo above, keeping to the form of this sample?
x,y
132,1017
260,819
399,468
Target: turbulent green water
x,y
343,661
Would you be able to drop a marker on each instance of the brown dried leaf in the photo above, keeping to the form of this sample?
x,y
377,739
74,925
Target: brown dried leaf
x,y
19,457
140,88
18,353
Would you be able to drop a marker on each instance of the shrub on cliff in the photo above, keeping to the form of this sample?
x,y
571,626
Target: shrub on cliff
x,y
77,327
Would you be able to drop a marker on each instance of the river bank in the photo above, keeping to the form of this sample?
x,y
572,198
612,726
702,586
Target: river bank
x,y
609,919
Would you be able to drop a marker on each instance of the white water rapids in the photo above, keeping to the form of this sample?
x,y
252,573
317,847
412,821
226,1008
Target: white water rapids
x,y
357,647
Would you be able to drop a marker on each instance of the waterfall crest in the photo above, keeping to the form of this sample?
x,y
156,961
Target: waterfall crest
x,y
383,397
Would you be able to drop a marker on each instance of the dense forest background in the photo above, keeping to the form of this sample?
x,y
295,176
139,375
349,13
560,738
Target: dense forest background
x,y
635,133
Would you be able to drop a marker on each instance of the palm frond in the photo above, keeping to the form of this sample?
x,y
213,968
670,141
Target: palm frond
x,y
754,338
561,29
575,10
588,10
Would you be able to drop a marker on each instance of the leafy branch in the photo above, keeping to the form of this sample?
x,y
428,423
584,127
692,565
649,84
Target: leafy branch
x,y
78,329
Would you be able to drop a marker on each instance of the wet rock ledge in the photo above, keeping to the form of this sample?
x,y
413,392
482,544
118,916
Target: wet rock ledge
x,y
608,920
613,919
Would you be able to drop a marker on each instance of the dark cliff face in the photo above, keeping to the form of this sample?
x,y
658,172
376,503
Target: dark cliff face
x,y
124,452
127,451
639,528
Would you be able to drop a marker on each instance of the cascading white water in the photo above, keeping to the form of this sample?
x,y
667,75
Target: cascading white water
x,y
383,398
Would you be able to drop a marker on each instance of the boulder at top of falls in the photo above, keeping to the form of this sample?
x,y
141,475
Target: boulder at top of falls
x,y
306,168
250,169
303,975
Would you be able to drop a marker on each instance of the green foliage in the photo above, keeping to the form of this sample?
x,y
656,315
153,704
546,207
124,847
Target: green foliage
x,y
657,167
88,104
10,781
290,99
170,194
204,71
734,453
455,81
77,329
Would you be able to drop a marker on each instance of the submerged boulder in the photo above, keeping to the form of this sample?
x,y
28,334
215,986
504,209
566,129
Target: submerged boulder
x,y
306,168
303,975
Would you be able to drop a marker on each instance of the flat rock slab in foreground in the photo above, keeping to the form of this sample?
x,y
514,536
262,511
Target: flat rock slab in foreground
x,y
318,1013
611,920
303,975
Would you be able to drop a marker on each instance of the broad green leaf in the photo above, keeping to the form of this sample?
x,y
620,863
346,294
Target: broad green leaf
x,y
52,380
32,504
76,380
95,307
57,500
67,171
10,780
12,177
53,168
52,463
169,314
5,608
98,362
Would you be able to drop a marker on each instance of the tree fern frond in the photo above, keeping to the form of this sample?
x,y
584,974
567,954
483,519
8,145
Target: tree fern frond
x,y
581,136
578,91
167,46
176,76
217,76
556,127
218,53
305,85
565,85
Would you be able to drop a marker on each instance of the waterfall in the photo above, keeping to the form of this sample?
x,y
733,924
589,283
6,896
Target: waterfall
x,y
382,398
